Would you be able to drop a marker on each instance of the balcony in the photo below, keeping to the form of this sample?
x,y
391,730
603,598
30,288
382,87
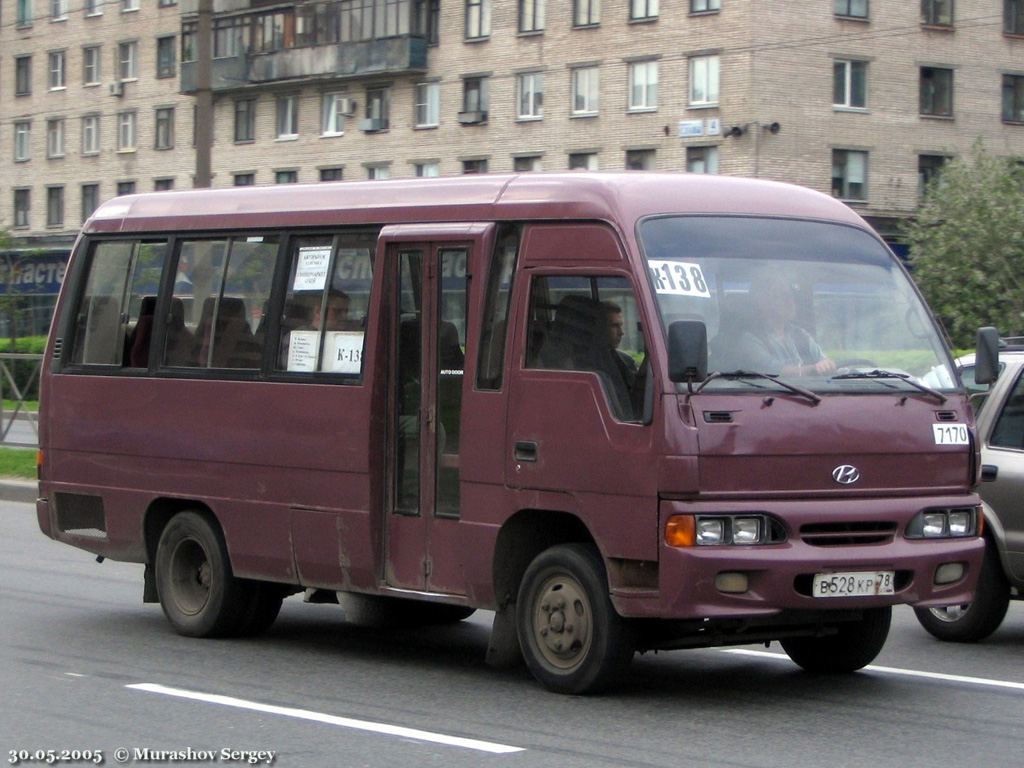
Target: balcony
x,y
387,56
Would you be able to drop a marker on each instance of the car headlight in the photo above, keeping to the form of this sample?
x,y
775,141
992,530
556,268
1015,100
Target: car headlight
x,y
952,523
717,530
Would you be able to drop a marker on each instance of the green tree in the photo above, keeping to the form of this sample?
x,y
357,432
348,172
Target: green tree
x,y
967,245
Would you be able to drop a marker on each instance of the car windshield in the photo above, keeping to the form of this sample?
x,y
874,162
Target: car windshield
x,y
822,305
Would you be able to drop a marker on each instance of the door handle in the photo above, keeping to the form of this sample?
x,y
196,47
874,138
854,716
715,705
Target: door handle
x,y
989,472
526,450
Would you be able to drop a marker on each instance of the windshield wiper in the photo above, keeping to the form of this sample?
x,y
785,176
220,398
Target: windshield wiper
x,y
878,373
772,377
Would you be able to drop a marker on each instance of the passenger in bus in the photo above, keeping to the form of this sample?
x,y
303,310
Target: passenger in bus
x,y
338,303
773,342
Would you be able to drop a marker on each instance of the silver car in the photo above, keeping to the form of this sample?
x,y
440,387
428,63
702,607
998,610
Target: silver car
x,y
1000,416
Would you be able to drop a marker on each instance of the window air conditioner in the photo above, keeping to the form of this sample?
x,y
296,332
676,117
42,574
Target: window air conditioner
x,y
117,88
471,118
370,124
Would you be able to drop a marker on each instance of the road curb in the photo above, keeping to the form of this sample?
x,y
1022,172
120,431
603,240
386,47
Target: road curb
x,y
25,491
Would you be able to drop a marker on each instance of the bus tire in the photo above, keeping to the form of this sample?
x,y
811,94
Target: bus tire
x,y
974,621
572,639
854,645
262,607
198,593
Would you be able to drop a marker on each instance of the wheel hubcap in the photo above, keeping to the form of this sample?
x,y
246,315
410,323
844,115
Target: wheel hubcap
x,y
562,622
191,577
951,613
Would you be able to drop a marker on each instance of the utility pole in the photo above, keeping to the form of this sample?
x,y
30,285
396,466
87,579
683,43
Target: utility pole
x,y
204,94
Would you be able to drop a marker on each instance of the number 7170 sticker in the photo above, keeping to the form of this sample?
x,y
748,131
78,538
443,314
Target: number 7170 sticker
x,y
680,278
950,434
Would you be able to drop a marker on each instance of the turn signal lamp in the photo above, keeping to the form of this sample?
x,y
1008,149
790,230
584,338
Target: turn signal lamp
x,y
680,531
39,465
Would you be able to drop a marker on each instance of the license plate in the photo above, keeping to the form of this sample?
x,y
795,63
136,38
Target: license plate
x,y
855,584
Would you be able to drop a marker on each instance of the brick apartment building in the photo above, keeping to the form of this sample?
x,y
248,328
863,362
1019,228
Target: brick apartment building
x,y
861,98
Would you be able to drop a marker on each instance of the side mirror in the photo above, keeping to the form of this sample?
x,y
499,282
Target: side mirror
x,y
986,356
687,351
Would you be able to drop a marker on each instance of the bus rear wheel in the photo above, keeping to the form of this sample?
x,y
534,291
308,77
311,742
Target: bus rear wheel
x,y
198,593
572,639
854,645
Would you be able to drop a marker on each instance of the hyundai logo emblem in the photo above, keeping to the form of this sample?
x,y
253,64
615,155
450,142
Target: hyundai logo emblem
x,y
846,474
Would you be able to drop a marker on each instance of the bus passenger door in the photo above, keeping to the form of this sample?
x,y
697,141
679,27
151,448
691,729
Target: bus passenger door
x,y
428,309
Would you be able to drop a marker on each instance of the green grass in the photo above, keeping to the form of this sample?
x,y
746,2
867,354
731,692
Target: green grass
x,y
28,405
18,462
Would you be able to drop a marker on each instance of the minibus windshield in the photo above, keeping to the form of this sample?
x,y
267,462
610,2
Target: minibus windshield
x,y
821,305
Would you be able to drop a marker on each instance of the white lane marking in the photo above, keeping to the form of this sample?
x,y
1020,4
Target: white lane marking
x,y
74,674
983,681
319,717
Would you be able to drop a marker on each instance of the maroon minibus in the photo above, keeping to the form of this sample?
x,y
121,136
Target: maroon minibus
x,y
625,412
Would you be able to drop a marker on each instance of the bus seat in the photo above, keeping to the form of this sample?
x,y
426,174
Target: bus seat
x,y
179,340
138,356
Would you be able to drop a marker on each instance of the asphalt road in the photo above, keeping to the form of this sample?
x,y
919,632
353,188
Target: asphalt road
x,y
84,665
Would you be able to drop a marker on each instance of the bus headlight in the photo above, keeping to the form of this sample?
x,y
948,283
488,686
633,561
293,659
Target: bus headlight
x,y
952,523
718,530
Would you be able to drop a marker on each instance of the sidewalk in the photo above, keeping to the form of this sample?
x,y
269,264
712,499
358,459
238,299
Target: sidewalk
x,y
15,489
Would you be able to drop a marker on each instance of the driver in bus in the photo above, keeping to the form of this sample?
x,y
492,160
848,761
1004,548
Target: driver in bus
x,y
773,342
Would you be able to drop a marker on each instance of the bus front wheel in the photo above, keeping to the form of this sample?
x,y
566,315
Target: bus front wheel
x,y
198,593
854,645
572,639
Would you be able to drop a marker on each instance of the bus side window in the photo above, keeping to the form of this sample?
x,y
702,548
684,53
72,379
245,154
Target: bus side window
x,y
491,363
122,281
589,324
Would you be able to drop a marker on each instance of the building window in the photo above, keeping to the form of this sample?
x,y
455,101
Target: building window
x,y
91,135
530,87
125,131
478,19
474,166
1013,98
428,105
165,53
702,159
23,13
378,172
22,207
704,81
1013,17
640,10
585,90
58,10
58,63
378,109
166,3
55,138
129,5
428,169
286,177
93,7
127,60
849,174
164,128
245,120
586,13
583,161
639,159
937,13
531,15
928,167
853,9
22,140
55,206
22,75
332,174
163,185
188,42
705,6
527,163
125,188
936,92
91,65
90,199
287,117
474,100
229,37
643,85
245,179
850,84
333,108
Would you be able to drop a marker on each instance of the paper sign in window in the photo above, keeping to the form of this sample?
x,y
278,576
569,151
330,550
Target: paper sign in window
x,y
679,278
302,349
311,270
343,352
